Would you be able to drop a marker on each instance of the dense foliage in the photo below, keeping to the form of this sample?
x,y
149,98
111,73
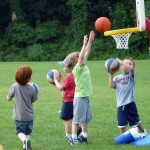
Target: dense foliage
x,y
42,30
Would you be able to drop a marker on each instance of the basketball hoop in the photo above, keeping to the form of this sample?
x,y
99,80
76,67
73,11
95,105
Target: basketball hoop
x,y
122,40
121,36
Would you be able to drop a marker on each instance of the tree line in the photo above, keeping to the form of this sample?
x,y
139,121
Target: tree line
x,y
48,30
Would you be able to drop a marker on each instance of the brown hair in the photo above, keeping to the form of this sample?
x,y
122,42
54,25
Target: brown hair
x,y
23,75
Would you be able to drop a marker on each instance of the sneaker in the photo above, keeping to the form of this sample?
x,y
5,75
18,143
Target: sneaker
x,y
144,133
28,145
68,138
79,131
70,141
73,141
82,139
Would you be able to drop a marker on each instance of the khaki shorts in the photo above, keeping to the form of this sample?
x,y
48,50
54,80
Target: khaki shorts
x,y
82,110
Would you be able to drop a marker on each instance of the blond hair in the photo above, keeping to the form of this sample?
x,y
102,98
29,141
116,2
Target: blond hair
x,y
72,59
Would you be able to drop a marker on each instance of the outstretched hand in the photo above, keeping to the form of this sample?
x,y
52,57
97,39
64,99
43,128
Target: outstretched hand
x,y
92,36
85,40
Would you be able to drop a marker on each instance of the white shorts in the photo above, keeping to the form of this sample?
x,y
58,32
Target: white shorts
x,y
82,110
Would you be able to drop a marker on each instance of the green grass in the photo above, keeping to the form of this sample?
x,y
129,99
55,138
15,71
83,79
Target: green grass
x,y
48,132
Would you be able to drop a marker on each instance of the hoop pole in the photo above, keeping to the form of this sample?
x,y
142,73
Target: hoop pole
x,y
140,14
121,31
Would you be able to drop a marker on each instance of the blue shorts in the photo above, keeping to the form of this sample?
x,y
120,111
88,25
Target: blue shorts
x,y
128,114
67,111
24,127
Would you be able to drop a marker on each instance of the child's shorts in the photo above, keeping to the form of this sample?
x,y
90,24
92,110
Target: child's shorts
x,y
24,127
128,114
82,110
67,111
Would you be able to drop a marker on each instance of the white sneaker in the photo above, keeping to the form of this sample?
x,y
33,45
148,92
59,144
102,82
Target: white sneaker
x,y
73,141
68,138
145,133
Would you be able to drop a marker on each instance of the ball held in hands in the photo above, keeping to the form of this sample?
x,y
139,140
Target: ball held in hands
x,y
50,76
112,65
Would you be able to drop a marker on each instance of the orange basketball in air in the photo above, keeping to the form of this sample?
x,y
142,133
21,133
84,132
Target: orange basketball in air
x,y
102,24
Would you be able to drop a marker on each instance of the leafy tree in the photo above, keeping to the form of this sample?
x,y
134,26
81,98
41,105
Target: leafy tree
x,y
79,20
19,34
4,16
49,30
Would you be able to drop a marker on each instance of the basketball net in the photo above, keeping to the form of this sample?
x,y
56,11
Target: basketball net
x,y
122,40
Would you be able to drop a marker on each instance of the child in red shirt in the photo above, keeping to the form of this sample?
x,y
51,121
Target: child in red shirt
x,y
67,87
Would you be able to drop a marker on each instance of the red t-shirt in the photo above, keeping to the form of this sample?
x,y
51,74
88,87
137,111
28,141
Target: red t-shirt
x,y
69,85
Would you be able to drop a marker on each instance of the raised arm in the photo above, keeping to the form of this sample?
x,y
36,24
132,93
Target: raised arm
x,y
127,65
111,83
82,52
90,41
86,48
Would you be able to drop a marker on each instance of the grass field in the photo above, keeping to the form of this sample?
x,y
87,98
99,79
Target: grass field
x,y
48,132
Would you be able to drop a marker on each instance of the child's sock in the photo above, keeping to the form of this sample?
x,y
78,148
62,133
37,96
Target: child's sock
x,y
74,136
69,135
84,134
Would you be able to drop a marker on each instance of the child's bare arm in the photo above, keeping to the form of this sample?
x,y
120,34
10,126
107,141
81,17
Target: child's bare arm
x,y
111,83
119,61
90,41
57,83
86,47
129,67
82,52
